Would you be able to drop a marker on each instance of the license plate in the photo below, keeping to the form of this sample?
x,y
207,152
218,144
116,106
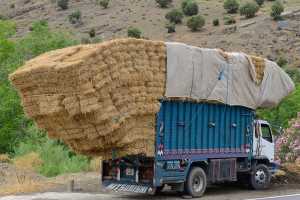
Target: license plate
x,y
129,172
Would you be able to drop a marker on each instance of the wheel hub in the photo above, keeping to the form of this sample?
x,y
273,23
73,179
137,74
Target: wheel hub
x,y
197,184
260,176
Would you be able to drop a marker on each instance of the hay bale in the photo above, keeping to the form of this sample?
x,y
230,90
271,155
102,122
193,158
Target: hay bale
x,y
97,98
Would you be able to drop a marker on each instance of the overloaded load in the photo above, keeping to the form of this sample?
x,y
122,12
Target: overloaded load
x,y
101,99
231,78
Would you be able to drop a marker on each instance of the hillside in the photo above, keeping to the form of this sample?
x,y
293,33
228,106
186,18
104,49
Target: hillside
x,y
261,37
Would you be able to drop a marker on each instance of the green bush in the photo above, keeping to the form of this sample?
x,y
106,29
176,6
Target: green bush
x,y
196,22
231,6
170,27
174,16
216,22
285,111
294,73
260,2
229,20
249,9
63,4
75,17
92,33
134,32
56,157
276,10
190,7
163,3
282,61
104,3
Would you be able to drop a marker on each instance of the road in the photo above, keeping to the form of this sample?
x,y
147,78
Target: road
x,y
224,192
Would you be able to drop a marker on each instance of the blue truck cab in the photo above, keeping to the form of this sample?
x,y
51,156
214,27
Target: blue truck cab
x,y
197,144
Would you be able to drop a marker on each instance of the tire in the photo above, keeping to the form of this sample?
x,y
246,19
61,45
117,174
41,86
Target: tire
x,y
260,177
196,182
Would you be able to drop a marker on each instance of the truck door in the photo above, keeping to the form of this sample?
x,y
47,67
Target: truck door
x,y
264,141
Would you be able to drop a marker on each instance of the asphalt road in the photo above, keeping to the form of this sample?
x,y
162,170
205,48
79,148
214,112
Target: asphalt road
x,y
224,192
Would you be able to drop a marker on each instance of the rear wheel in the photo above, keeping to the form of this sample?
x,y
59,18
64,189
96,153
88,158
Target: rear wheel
x,y
196,182
260,177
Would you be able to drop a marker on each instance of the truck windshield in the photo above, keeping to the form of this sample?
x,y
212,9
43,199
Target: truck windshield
x,y
266,132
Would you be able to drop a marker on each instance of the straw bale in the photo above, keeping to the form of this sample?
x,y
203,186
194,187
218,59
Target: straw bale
x,y
99,98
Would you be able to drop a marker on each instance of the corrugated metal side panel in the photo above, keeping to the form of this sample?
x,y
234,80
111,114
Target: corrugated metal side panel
x,y
189,128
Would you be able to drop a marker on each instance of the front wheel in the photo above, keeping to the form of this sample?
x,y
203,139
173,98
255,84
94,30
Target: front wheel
x,y
260,178
196,182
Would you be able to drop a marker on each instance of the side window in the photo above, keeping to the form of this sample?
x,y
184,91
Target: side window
x,y
266,132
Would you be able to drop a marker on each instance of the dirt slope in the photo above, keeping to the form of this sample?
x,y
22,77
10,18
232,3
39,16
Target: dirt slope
x,y
260,38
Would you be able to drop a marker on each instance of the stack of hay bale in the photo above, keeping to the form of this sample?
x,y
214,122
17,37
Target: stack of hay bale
x,y
102,99
97,98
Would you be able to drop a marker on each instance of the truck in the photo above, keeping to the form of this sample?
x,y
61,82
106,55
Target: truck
x,y
198,144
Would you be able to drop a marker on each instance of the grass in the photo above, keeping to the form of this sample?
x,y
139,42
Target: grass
x,y
55,157
26,187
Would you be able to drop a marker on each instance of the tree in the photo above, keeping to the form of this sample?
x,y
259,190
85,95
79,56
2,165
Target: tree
x,y
232,6
75,17
196,22
134,32
190,7
174,16
63,4
170,27
163,3
104,3
260,2
276,10
249,9
216,22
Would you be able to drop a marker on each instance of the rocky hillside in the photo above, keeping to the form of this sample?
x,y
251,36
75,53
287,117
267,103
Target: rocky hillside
x,y
258,36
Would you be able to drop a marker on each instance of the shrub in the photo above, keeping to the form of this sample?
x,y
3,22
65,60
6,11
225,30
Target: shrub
x,y
75,17
163,3
196,22
229,20
171,27
260,2
249,9
286,110
231,6
104,3
174,16
190,7
294,73
63,4
49,157
92,32
276,10
134,32
216,22
282,61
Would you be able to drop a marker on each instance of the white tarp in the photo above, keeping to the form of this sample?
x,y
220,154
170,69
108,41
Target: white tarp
x,y
204,74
